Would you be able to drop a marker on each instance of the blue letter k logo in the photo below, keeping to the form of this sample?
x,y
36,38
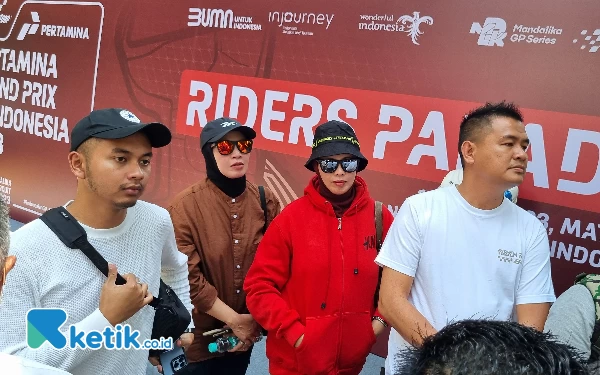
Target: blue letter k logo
x,y
44,325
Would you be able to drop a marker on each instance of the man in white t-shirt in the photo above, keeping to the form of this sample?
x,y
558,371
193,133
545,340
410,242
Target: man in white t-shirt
x,y
465,251
12,364
111,154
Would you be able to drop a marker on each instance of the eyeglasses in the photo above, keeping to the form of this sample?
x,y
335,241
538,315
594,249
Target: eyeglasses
x,y
226,147
330,165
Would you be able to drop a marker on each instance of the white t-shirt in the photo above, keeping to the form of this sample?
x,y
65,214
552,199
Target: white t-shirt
x,y
48,274
466,262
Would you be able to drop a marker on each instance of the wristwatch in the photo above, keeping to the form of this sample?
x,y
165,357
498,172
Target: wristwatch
x,y
379,320
189,330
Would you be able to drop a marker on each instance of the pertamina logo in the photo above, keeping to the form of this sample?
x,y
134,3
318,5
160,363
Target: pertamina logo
x,y
3,17
494,31
59,31
224,19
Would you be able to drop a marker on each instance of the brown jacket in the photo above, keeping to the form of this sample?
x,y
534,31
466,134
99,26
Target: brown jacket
x,y
220,236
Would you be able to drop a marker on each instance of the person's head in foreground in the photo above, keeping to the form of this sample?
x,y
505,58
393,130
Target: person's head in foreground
x,y
493,146
485,347
336,156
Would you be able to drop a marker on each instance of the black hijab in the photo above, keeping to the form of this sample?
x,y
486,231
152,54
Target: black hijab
x,y
233,187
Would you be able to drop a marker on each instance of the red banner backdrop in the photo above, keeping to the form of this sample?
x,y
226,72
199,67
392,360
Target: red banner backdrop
x,y
402,75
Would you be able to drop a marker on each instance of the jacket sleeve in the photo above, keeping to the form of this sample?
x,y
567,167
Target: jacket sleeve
x,y
202,293
388,219
264,281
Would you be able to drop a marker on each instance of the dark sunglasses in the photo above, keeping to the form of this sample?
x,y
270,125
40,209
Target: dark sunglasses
x,y
226,147
330,165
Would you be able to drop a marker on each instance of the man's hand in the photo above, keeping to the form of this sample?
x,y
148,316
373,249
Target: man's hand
x,y
245,328
185,340
299,341
120,302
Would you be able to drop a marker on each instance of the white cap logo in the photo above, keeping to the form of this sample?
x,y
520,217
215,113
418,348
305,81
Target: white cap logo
x,y
129,116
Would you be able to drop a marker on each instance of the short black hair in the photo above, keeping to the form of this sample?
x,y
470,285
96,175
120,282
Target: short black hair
x,y
480,118
487,347
87,147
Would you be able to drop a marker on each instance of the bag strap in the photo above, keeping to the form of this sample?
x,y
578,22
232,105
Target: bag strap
x,y
592,283
378,243
72,234
263,204
378,224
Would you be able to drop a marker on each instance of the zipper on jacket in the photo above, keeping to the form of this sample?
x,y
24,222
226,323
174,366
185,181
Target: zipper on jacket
x,y
339,349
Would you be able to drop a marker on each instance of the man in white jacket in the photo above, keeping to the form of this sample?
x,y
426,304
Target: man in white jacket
x,y
111,153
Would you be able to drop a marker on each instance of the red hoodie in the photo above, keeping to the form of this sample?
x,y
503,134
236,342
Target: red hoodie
x,y
314,274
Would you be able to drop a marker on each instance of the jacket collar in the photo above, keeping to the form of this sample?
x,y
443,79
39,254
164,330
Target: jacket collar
x,y
360,200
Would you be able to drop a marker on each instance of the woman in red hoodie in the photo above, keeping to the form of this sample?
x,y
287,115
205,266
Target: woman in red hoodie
x,y
313,279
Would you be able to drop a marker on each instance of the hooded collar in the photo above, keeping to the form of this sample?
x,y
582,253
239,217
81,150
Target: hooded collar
x,y
361,198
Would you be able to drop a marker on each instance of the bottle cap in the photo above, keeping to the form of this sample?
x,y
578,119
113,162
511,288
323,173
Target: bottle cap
x,y
212,347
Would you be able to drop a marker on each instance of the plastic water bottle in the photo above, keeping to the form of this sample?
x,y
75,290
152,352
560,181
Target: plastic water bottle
x,y
223,344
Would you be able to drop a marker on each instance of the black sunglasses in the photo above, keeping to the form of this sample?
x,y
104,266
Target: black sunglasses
x,y
331,165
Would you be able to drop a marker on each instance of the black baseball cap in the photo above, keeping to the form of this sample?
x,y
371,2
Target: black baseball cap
x,y
117,123
216,129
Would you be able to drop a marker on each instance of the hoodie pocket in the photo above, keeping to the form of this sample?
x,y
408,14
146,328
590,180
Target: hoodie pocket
x,y
317,353
357,340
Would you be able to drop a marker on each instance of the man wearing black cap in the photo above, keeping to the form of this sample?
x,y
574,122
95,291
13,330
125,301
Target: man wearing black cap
x,y
313,282
219,222
110,156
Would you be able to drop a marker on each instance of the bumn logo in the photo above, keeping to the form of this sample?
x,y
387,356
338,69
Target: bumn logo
x,y
224,19
211,18
491,33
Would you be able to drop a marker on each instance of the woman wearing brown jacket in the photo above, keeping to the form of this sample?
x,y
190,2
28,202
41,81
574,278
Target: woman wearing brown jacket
x,y
219,222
